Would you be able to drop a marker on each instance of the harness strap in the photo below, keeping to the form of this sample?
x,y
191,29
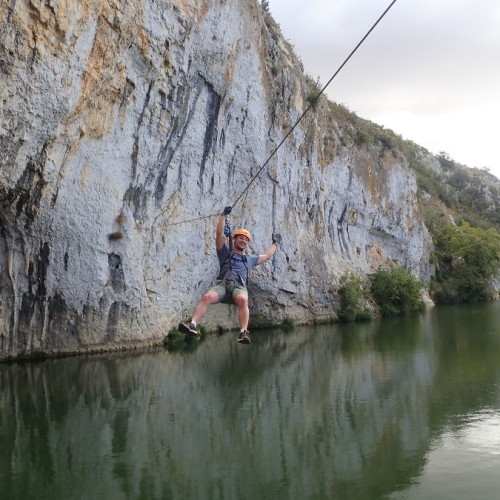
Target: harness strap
x,y
229,271
224,270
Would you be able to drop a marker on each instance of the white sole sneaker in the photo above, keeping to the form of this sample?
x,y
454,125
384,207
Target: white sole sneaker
x,y
187,329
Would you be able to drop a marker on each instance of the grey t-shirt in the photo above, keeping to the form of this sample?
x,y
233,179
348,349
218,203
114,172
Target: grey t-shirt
x,y
234,265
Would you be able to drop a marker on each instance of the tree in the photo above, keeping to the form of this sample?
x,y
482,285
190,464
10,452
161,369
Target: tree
x,y
469,258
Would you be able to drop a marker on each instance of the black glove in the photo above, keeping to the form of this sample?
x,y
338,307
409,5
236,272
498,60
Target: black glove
x,y
227,210
277,238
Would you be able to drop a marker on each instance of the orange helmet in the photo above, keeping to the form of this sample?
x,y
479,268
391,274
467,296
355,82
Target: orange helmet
x,y
244,232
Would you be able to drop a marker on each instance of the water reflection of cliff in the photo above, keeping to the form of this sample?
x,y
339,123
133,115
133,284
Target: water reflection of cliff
x,y
323,412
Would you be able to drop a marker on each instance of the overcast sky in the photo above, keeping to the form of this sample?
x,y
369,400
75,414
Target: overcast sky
x,y
430,70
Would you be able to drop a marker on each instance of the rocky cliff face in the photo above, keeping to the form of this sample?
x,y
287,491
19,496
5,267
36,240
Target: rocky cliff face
x,y
125,126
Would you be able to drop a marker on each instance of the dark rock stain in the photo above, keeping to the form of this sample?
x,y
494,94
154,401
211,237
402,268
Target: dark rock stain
x,y
116,276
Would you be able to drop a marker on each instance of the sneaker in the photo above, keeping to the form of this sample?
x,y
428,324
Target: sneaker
x,y
244,337
188,328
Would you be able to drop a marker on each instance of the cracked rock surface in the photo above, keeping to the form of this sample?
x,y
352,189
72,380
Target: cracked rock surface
x,y
125,126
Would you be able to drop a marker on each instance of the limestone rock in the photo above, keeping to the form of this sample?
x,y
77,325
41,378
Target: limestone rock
x,y
125,128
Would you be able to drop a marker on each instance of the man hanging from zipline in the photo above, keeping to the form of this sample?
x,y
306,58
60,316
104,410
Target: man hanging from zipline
x,y
231,284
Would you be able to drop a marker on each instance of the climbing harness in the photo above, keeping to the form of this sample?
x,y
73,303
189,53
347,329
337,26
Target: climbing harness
x,y
226,269
227,272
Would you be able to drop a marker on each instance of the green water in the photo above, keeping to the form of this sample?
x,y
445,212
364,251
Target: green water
x,y
406,408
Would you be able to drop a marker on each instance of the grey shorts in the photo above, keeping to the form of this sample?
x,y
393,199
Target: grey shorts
x,y
227,290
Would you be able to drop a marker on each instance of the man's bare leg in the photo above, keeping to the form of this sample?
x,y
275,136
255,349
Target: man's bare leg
x,y
207,300
241,300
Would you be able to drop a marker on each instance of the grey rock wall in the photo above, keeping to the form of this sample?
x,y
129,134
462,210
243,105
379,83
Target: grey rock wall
x,y
125,127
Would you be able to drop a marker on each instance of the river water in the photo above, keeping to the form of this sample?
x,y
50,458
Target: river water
x,y
397,409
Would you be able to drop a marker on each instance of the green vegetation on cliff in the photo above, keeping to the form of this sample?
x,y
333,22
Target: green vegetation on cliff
x,y
467,258
393,290
396,291
354,294
461,209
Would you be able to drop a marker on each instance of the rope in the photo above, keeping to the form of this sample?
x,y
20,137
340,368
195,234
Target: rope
x,y
311,104
191,220
313,101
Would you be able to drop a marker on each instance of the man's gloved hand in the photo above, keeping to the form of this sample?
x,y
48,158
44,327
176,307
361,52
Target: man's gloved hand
x,y
227,210
277,238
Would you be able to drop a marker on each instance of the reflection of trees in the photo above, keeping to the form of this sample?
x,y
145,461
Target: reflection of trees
x,y
322,412
469,370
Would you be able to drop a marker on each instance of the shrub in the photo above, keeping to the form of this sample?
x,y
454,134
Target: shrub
x,y
287,323
314,92
176,341
342,114
396,291
354,296
174,336
444,292
446,162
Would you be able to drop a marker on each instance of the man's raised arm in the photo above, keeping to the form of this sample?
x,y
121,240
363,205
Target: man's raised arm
x,y
219,232
271,250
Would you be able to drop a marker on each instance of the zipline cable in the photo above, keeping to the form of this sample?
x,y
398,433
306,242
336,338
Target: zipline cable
x,y
192,220
313,102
